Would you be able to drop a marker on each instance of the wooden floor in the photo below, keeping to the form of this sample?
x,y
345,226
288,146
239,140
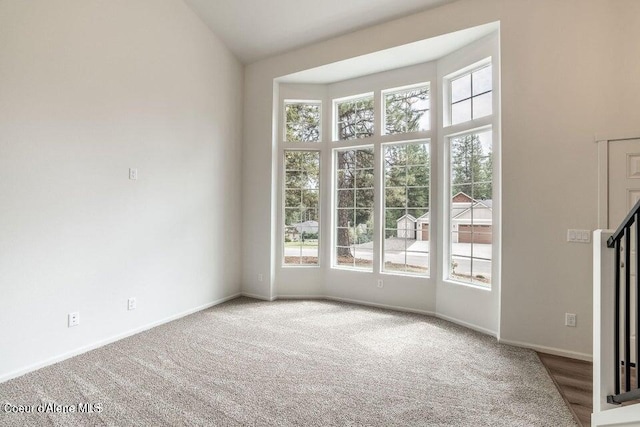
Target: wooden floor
x,y
574,381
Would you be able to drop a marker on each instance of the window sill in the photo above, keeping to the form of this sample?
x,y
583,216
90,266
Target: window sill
x,y
468,285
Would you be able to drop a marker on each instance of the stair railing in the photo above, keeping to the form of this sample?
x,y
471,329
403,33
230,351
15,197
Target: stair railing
x,y
621,242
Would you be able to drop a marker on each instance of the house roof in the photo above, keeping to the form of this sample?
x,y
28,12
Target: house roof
x,y
408,216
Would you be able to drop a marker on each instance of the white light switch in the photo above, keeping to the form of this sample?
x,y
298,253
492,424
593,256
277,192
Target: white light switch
x,y
579,236
133,174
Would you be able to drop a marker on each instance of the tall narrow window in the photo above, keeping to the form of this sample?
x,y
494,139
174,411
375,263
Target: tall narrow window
x,y
471,207
354,117
471,96
406,204
301,207
302,121
354,208
406,110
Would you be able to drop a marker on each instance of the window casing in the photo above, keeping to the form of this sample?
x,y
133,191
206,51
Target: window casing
x,y
406,236
471,207
469,180
354,199
366,195
301,207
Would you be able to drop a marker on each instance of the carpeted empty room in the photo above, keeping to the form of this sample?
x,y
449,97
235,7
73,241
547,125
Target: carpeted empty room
x,y
249,362
319,213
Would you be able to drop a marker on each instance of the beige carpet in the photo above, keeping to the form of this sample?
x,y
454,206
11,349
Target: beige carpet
x,y
306,363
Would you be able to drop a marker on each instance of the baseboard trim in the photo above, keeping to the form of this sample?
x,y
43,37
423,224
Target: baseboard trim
x,y
299,297
59,358
340,299
549,350
256,296
467,325
379,305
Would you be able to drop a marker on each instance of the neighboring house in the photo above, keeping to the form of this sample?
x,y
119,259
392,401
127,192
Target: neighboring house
x,y
471,221
406,227
295,231
422,225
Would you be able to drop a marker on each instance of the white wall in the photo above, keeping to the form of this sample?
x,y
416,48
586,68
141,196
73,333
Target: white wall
x,y
569,71
88,89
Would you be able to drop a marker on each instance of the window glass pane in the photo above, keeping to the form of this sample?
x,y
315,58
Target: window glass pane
x,y
354,214
302,122
482,80
395,197
346,198
471,96
461,88
482,105
418,175
417,197
406,201
461,112
407,110
364,198
354,118
471,208
395,156
392,216
364,178
345,217
418,260
301,207
310,198
396,176
364,159
292,216
293,198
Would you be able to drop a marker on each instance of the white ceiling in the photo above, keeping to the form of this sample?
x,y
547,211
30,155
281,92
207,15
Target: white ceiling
x,y
255,29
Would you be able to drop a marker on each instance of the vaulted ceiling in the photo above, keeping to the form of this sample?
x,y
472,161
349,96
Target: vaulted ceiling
x,y
255,29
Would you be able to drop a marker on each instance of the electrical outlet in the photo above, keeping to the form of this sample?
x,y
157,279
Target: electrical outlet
x,y
380,283
260,277
570,320
133,174
74,319
131,303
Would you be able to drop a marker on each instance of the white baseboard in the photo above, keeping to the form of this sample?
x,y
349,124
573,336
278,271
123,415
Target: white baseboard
x,y
550,350
101,343
256,296
467,325
339,299
378,305
296,297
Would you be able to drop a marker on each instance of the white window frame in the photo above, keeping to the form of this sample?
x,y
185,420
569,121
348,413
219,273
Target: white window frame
x,y
334,206
449,131
384,213
334,122
283,186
